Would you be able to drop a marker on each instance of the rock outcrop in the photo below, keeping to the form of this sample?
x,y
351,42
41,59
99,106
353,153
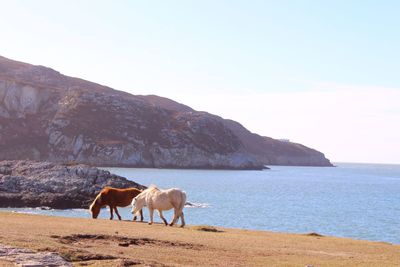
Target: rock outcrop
x,y
60,186
47,116
27,257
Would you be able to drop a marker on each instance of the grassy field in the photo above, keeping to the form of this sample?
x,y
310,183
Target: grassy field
x,y
88,242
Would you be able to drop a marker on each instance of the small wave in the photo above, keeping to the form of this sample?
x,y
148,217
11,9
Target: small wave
x,y
196,205
43,208
26,212
79,210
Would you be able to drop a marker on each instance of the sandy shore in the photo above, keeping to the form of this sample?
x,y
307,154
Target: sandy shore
x,y
123,243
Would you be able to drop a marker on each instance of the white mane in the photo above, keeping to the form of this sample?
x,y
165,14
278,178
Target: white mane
x,y
152,187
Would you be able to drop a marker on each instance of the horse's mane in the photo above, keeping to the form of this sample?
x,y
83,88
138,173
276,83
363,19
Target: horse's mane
x,y
152,187
95,201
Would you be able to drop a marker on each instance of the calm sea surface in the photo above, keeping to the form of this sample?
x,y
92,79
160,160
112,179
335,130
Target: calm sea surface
x,y
360,201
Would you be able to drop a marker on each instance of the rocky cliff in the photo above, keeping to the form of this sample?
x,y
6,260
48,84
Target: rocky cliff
x,y
45,115
60,186
267,150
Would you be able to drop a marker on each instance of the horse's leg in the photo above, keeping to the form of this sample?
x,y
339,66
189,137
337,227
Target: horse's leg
x,y
175,217
182,219
151,213
141,215
162,217
177,213
111,213
116,211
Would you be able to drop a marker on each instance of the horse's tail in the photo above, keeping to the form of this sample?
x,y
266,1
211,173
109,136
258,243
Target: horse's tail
x,y
183,202
135,192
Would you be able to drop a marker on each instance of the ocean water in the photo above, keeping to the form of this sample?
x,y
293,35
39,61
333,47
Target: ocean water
x,y
360,201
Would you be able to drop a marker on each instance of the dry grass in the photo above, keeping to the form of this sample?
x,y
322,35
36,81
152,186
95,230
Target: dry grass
x,y
4,263
89,242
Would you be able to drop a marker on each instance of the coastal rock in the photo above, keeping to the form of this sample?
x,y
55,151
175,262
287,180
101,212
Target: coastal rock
x,y
27,257
47,184
47,116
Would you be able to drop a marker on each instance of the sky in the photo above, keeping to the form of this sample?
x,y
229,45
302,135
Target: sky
x,y
321,73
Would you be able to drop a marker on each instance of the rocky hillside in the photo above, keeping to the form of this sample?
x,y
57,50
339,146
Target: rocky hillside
x,y
45,115
60,186
265,149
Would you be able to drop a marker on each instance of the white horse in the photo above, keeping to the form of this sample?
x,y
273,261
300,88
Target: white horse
x,y
156,199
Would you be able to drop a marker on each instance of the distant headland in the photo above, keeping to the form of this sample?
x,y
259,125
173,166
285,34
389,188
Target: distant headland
x,y
47,116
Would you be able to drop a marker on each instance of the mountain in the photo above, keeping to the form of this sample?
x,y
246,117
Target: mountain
x,y
45,115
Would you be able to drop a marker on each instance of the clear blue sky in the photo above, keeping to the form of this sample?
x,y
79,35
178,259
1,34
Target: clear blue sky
x,y
322,73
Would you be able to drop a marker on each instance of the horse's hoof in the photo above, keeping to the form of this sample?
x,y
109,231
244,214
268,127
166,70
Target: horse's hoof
x,y
149,223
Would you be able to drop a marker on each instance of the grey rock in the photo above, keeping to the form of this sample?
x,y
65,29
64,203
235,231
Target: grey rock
x,y
36,184
27,257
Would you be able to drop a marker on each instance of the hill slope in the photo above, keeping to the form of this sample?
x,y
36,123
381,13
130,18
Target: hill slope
x,y
45,115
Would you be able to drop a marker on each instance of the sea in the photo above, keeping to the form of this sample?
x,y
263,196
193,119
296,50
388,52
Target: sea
x,y
360,201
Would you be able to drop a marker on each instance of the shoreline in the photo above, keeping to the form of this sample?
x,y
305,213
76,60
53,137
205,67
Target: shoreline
x,y
103,242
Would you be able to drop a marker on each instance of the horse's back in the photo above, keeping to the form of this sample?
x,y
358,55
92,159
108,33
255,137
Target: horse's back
x,y
165,199
120,191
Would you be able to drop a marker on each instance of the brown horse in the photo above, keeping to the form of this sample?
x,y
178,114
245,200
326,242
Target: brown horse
x,y
114,197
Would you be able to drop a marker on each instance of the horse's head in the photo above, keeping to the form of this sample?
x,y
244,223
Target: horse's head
x,y
95,207
137,204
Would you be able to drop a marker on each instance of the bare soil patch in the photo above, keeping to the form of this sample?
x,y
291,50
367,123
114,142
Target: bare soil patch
x,y
207,228
314,234
91,239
